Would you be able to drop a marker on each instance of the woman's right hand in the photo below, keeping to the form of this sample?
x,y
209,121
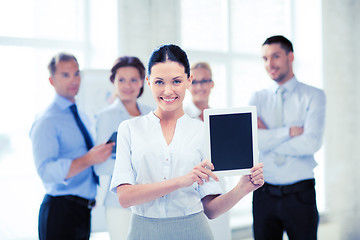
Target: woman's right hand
x,y
199,174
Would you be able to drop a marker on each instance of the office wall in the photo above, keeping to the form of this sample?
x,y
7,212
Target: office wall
x,y
341,52
147,24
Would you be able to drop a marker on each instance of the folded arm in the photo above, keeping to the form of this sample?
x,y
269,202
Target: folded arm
x,y
309,142
270,138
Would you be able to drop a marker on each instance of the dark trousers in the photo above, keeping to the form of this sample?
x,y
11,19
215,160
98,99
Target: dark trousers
x,y
290,208
60,218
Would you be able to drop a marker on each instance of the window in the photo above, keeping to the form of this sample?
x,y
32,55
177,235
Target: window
x,y
42,19
205,22
253,21
29,36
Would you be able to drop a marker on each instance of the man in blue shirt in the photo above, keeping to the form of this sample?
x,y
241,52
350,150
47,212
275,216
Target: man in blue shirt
x,y
64,157
291,119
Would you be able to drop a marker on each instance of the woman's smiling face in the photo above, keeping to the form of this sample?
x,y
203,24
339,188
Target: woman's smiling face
x,y
168,82
201,86
127,83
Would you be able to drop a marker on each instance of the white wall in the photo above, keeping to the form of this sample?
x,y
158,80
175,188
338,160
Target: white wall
x,y
341,47
147,24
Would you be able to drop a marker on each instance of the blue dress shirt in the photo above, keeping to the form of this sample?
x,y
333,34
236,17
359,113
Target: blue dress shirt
x,y
303,106
57,141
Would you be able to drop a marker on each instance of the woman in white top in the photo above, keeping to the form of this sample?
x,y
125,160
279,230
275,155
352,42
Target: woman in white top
x,y
200,89
161,171
127,76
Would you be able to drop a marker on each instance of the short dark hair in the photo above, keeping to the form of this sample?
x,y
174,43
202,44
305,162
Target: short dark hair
x,y
129,61
283,41
60,57
169,52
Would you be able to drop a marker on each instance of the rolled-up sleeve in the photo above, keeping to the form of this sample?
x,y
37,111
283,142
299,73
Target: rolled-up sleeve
x,y
210,188
45,144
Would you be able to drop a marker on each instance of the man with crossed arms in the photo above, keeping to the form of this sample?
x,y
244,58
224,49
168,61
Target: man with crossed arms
x,y
291,119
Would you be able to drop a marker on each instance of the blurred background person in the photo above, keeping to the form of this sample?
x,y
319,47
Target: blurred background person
x,y
64,157
291,122
127,76
200,90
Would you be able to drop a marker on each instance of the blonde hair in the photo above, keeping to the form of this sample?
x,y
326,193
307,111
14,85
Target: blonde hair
x,y
202,65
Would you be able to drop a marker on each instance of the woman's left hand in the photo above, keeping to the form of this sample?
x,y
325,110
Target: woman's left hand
x,y
253,181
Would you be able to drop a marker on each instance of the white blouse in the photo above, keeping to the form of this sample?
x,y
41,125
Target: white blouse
x,y
143,156
192,110
108,121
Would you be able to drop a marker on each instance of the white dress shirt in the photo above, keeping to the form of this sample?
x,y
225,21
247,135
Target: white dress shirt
x,y
303,106
107,122
143,156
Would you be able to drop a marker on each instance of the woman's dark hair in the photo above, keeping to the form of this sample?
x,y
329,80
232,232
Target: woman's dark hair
x,y
283,41
129,61
172,53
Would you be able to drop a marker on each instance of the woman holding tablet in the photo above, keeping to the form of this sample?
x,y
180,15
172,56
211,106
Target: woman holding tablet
x,y
161,170
127,76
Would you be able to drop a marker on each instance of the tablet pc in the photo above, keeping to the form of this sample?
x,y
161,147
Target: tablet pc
x,y
113,138
232,139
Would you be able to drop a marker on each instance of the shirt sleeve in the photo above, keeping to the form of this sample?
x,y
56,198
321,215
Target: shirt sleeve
x,y
45,144
123,170
310,141
210,188
270,138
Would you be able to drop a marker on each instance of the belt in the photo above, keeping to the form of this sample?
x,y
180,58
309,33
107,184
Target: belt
x,y
282,190
79,200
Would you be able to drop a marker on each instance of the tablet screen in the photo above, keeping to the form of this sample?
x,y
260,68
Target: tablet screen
x,y
232,139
